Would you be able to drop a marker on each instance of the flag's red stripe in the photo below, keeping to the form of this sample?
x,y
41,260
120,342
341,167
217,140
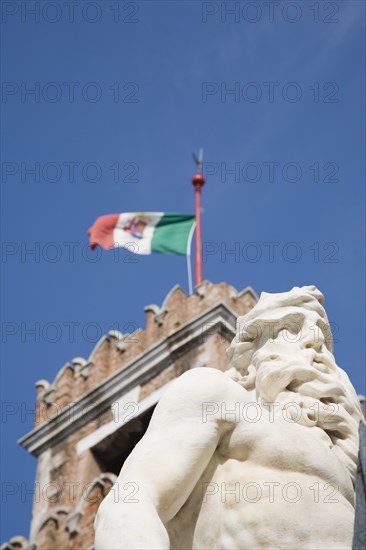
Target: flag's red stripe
x,y
101,233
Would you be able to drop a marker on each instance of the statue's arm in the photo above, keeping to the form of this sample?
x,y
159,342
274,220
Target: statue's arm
x,y
165,465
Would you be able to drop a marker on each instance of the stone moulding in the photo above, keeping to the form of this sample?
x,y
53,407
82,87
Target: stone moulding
x,y
83,366
17,543
72,523
218,319
156,310
248,289
121,339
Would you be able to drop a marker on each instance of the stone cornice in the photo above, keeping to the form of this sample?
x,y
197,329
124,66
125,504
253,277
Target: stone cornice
x,y
218,319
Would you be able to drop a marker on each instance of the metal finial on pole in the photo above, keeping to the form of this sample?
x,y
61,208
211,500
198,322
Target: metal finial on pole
x,y
198,181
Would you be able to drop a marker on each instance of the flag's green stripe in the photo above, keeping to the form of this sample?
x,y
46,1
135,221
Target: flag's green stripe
x,y
171,234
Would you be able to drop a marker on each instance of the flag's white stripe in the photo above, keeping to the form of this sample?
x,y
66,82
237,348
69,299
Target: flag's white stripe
x,y
136,245
189,242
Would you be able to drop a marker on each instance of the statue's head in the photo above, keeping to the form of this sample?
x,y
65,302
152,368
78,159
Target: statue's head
x,y
283,352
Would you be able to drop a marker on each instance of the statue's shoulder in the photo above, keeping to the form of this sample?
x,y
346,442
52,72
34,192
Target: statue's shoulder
x,y
203,384
207,375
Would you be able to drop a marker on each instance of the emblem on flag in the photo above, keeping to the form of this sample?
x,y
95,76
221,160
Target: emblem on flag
x,y
136,225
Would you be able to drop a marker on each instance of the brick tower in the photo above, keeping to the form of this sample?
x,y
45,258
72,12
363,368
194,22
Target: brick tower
x,y
95,411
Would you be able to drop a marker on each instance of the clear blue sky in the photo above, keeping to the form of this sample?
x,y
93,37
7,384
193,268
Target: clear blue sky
x,y
139,90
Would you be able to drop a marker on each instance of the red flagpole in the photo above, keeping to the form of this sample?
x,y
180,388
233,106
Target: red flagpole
x,y
198,181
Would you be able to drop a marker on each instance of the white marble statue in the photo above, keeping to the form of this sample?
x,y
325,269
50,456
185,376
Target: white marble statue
x,y
262,456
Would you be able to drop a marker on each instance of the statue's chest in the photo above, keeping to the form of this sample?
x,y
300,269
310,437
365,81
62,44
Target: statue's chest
x,y
277,442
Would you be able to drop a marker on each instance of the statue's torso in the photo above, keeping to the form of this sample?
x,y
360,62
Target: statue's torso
x,y
269,485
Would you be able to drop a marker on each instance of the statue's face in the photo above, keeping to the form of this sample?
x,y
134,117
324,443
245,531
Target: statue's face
x,y
293,339
290,354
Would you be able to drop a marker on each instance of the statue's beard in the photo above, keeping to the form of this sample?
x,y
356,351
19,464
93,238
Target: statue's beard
x,y
321,395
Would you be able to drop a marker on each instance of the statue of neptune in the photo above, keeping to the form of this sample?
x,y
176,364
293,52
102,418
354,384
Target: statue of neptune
x,y
262,456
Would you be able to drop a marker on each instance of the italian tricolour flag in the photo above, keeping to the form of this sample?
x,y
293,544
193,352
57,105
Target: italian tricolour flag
x,y
144,232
